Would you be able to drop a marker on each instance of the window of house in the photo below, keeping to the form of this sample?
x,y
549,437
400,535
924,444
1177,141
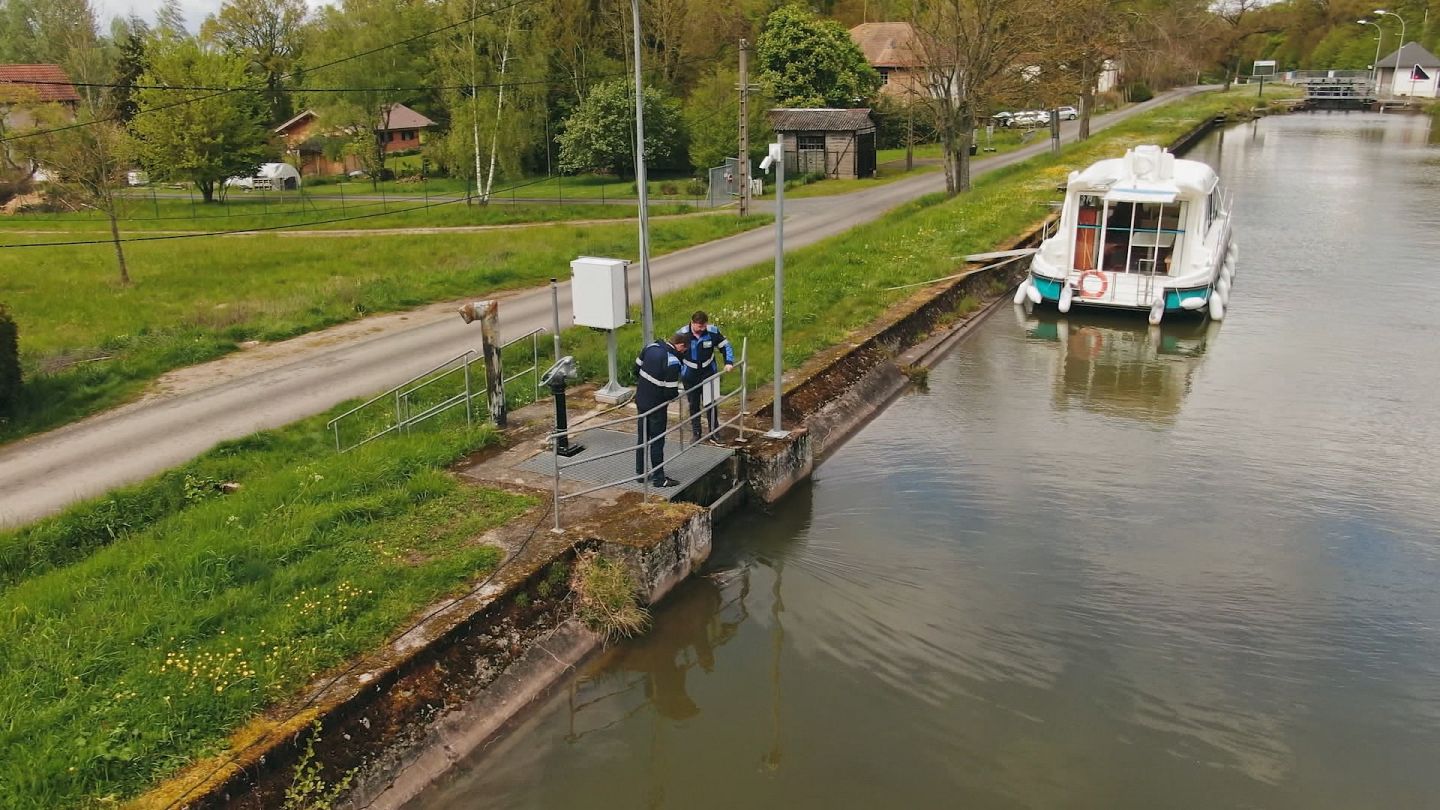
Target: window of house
x,y
408,135
810,141
884,74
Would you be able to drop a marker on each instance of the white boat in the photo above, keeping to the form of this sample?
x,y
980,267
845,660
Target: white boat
x,y
1146,232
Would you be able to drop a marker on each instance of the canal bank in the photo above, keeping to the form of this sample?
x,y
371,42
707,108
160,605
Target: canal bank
x,y
1094,565
1043,181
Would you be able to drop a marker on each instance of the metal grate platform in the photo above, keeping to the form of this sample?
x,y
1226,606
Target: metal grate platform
x,y
687,469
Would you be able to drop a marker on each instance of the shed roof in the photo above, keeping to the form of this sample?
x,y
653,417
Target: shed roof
x,y
402,117
815,119
48,81
888,44
299,118
1411,54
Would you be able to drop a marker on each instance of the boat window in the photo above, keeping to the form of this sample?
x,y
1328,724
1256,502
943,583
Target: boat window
x,y
1143,237
1087,232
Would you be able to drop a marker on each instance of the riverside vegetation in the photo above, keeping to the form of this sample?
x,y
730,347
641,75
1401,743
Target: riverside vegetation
x,y
140,628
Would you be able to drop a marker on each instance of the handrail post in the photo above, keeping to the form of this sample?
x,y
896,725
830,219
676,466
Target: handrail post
x,y
469,422
744,385
555,454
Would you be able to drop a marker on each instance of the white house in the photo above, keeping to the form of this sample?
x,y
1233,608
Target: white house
x,y
1418,76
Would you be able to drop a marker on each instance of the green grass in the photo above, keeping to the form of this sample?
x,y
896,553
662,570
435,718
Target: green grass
x,y
550,187
273,210
839,285
133,657
88,344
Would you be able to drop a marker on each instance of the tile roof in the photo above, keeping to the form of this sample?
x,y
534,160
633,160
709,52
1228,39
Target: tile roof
x,y
402,117
293,121
1410,56
888,44
48,81
816,119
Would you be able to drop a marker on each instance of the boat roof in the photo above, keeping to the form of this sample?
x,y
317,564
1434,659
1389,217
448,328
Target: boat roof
x,y
1146,174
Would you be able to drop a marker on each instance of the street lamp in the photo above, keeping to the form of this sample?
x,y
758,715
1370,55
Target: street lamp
x,y
647,318
1383,13
776,158
1375,64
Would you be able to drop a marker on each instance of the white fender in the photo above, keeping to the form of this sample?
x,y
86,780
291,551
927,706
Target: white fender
x,y
1157,311
1020,292
1192,303
1033,293
1067,294
1217,307
1224,286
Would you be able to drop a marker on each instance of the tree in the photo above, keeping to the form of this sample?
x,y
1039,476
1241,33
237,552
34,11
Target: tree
x,y
808,62
85,165
1083,36
599,135
201,136
130,38
711,117
267,33
170,20
394,60
974,53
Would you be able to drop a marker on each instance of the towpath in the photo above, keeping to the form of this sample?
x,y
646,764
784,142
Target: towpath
x,y
189,410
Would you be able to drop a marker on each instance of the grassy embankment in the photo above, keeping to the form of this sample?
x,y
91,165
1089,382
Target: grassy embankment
x,y
147,650
135,623
288,210
88,344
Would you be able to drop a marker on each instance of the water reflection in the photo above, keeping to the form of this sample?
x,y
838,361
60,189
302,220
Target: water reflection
x,y
1119,366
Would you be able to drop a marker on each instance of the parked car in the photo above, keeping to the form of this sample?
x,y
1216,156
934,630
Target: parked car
x,y
1002,119
1030,118
1068,113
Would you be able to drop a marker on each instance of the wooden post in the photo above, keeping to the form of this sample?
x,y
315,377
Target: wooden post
x,y
488,313
744,172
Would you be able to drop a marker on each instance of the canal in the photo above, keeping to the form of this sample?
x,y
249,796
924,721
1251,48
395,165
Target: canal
x,y
1094,565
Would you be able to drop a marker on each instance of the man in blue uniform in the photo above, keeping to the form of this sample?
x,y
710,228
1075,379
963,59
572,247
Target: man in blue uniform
x,y
657,381
700,365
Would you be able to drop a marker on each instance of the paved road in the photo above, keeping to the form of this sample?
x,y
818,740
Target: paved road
x,y
43,474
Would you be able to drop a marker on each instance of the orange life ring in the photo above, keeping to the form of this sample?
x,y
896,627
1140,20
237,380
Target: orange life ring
x,y
1089,291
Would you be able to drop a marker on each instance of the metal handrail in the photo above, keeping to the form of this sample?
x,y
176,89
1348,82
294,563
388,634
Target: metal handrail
x,y
741,368
390,391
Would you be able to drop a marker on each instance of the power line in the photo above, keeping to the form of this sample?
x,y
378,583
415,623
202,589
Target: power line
x,y
289,75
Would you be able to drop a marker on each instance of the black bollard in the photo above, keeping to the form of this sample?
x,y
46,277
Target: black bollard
x,y
562,441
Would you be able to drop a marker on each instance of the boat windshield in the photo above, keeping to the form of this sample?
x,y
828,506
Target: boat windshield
x,y
1128,237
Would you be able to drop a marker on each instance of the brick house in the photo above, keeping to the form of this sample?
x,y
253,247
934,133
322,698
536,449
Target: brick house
x,y
25,85
893,49
401,130
834,142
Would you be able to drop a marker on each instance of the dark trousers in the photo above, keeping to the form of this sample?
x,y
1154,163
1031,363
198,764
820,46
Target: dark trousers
x,y
696,397
651,428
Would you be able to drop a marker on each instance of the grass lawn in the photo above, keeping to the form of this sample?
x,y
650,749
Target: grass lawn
x,y
87,344
276,209
550,187
149,647
839,285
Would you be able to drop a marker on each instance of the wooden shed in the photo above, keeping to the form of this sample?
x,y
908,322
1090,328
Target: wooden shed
x,y
834,142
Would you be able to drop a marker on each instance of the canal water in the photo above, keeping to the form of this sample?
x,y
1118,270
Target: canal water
x,y
1094,565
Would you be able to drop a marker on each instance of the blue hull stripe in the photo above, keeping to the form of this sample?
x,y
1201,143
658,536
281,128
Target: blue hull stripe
x,y
1049,290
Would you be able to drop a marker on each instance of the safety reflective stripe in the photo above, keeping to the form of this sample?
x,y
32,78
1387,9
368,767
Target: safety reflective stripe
x,y
650,378
692,364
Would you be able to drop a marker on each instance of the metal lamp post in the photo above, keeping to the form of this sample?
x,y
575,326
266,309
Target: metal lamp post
x,y
647,318
1375,63
776,158
1383,13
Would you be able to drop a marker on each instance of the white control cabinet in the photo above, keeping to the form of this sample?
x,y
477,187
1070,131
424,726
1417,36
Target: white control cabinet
x,y
598,292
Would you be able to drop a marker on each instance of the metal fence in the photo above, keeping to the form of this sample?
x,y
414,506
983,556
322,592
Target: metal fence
x,y
724,182
739,394
456,386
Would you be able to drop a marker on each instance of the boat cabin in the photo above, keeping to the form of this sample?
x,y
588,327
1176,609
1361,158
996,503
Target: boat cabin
x,y
1132,214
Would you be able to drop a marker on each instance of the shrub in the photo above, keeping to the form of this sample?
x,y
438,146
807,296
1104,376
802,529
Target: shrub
x,y
9,360
1139,91
607,600
669,189
696,187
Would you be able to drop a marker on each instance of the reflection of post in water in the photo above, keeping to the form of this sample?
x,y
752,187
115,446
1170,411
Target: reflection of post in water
x,y
771,759
1121,366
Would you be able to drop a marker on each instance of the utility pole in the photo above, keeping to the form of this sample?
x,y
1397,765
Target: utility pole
x,y
744,173
647,317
